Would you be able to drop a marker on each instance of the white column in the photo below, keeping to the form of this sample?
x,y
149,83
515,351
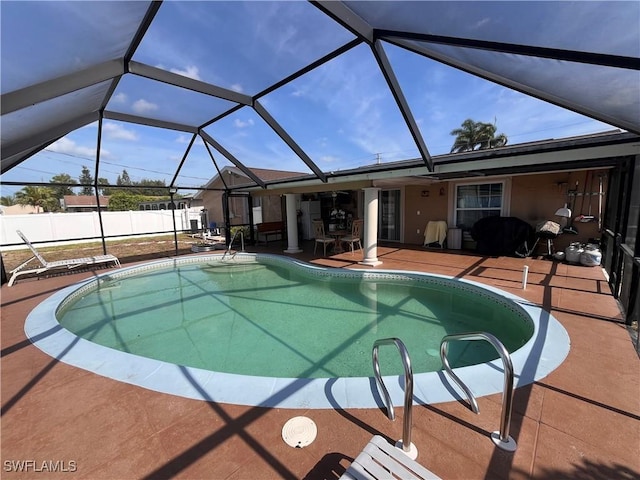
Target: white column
x,y
292,224
371,227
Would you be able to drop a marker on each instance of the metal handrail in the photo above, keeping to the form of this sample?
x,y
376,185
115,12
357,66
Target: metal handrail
x,y
228,251
501,438
408,390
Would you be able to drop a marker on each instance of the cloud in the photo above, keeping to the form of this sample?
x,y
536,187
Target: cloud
x,y
142,106
119,132
329,159
191,71
119,98
240,124
299,92
236,87
69,147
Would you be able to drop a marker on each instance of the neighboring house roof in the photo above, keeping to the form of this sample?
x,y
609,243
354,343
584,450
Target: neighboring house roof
x,y
269,175
264,174
84,201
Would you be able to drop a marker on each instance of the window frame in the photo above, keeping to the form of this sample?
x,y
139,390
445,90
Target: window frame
x,y
505,208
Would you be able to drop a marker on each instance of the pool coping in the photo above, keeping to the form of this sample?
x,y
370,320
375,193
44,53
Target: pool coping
x,y
544,352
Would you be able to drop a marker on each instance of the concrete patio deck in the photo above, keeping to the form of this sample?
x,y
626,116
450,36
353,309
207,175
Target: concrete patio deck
x,y
581,421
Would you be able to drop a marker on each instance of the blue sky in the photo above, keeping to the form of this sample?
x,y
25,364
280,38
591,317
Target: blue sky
x,y
341,114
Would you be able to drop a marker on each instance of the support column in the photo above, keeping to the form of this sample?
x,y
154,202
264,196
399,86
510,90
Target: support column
x,y
292,224
371,227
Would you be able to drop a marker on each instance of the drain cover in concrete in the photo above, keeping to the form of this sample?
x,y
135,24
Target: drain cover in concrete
x,y
299,432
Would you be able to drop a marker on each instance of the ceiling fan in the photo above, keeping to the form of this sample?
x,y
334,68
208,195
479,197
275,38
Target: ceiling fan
x,y
335,193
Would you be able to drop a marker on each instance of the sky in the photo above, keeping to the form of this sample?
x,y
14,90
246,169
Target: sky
x,y
342,114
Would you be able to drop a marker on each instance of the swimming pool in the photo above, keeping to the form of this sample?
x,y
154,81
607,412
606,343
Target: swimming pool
x,y
360,301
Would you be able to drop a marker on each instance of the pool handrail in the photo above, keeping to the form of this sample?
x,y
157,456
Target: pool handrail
x,y
500,438
231,243
405,443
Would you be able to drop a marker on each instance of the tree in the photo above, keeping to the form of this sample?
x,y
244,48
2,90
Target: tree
x,y
123,179
103,186
476,136
123,201
59,191
8,200
144,184
86,180
42,197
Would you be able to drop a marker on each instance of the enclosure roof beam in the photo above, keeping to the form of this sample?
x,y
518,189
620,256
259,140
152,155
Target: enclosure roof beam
x,y
46,137
592,58
401,101
229,156
288,140
171,78
41,92
126,117
347,18
423,50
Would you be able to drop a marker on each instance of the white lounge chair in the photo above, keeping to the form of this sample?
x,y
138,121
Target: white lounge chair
x,y
48,267
380,460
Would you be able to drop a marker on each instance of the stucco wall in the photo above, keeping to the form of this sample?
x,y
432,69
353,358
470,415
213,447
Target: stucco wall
x,y
212,201
432,204
534,198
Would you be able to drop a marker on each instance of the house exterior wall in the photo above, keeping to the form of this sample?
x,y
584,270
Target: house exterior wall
x,y
431,201
533,198
272,208
212,201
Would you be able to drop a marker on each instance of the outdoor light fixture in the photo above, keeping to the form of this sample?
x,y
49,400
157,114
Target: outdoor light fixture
x,y
173,191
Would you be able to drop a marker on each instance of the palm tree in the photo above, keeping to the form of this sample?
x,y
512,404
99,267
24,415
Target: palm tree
x,y
59,191
42,197
476,136
7,200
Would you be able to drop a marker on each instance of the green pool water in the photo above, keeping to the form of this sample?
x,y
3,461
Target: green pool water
x,y
277,321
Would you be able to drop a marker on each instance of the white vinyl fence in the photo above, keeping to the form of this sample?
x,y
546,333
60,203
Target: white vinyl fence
x,y
46,227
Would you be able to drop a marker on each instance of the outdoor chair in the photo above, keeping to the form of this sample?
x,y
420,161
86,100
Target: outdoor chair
x,y
435,234
59,265
380,460
321,237
356,234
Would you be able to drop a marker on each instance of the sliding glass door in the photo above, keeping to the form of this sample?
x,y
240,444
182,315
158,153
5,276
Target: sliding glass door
x,y
389,215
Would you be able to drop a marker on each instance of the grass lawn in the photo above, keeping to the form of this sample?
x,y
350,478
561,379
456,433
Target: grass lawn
x,y
130,250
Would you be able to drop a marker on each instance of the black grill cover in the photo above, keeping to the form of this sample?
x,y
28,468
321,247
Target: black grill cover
x,y
502,235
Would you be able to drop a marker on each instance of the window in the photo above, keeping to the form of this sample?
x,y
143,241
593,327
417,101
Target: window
x,y
476,201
